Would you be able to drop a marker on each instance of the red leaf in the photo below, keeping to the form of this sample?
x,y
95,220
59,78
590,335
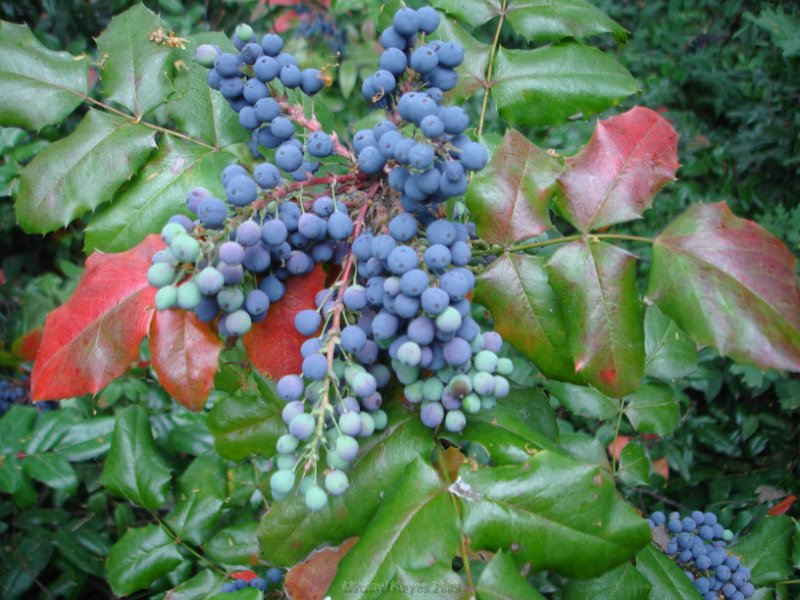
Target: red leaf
x,y
617,444
310,579
614,178
273,345
782,507
95,335
185,355
729,284
27,346
661,466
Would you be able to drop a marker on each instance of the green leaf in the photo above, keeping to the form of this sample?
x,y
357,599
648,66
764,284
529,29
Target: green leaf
x,y
348,74
245,594
156,193
51,427
595,284
199,499
783,27
289,531
553,20
584,401
729,284
235,545
510,198
767,549
134,468
653,408
140,557
246,425
549,85
666,578
38,86
417,526
135,69
541,509
671,354
196,108
24,561
87,439
203,586
796,546
15,428
79,557
52,470
526,312
622,583
501,580
634,465
471,72
472,12
64,182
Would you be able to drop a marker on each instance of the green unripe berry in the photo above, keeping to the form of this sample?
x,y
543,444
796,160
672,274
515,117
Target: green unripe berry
x,y
286,444
336,482
339,367
505,366
455,421
727,535
286,461
483,383
476,345
316,498
471,404
230,299
189,295
334,461
351,371
488,402
413,392
449,320
160,274
485,360
166,297
185,248
172,230
282,481
367,425
239,322
405,374
409,354
205,55
244,32
380,418
347,446
432,390
501,387
445,374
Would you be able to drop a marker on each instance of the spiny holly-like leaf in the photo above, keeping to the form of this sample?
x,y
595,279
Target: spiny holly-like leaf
x,y
199,110
596,285
653,408
729,284
767,549
622,583
549,85
135,67
289,531
234,545
666,579
501,580
185,352
134,468
584,401
273,345
64,181
38,86
247,424
541,509
139,558
95,335
615,176
199,499
156,193
671,354
634,465
416,527
472,12
526,312
472,72
510,198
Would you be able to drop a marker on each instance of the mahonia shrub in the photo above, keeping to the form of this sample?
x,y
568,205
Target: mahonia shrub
x,y
357,309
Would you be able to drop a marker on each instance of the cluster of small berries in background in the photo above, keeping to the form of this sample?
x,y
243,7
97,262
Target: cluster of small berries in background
x,y
317,22
399,307
273,577
697,543
16,391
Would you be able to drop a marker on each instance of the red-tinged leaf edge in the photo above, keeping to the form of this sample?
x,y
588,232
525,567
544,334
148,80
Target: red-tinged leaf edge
x,y
94,337
615,176
273,345
185,355
27,345
782,507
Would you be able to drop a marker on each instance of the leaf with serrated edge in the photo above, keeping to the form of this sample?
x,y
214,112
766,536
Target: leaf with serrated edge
x,y
157,192
653,408
557,513
595,284
203,586
416,526
289,531
184,354
199,499
52,470
509,199
549,85
234,545
767,549
622,583
472,72
553,20
472,12
614,177
671,354
38,86
134,468
139,558
583,400
94,337
135,69
634,465
729,284
526,313
199,110
501,580
78,173
666,578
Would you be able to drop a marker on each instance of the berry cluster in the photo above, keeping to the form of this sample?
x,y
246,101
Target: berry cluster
x,y
11,393
317,22
697,543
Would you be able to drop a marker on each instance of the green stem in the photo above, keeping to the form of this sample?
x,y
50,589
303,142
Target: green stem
x,y
490,68
563,240
168,530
